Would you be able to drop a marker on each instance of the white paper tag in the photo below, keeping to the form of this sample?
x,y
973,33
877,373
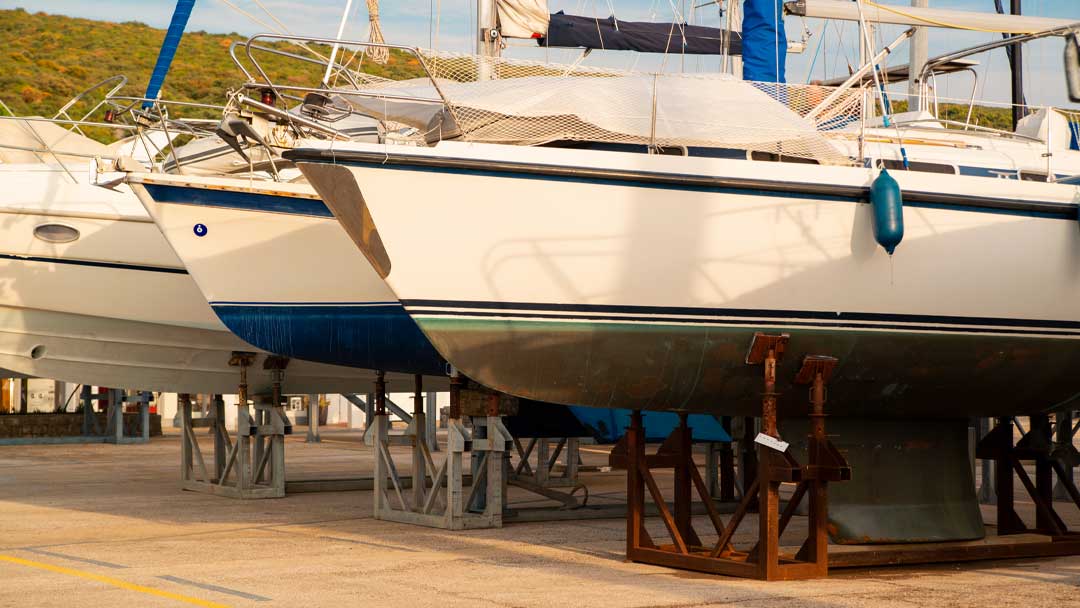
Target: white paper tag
x,y
771,442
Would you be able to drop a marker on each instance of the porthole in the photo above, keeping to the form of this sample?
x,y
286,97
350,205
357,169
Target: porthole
x,y
56,233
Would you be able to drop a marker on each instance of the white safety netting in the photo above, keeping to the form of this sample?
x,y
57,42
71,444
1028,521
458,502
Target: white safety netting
x,y
505,101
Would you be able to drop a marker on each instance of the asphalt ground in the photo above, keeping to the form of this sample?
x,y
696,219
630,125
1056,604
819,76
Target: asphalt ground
x,y
104,525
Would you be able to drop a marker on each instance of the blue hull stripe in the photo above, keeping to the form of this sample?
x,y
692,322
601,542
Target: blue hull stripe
x,y
610,424
230,199
684,182
365,335
734,316
92,263
304,206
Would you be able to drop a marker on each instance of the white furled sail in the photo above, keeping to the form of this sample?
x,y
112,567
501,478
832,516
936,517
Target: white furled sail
x,y
522,18
929,17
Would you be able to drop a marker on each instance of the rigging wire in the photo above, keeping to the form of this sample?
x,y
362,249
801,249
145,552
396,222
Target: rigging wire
x,y
776,37
817,52
865,34
272,29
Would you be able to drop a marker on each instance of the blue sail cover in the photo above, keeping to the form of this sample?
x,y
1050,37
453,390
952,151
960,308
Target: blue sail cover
x,y
618,35
764,41
168,49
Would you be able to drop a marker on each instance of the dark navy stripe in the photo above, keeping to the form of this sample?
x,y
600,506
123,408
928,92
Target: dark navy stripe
x,y
232,199
264,303
606,311
741,322
114,265
682,182
371,337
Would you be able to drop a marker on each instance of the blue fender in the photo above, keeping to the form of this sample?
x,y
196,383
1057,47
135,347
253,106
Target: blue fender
x,y
888,205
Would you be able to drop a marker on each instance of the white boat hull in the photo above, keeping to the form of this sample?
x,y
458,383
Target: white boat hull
x,y
115,307
281,273
562,279
147,356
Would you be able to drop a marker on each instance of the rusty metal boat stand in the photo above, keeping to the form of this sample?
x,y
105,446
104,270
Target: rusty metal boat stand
x,y
775,466
1050,459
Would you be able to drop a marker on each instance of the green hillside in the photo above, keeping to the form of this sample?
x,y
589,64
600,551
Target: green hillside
x,y
47,59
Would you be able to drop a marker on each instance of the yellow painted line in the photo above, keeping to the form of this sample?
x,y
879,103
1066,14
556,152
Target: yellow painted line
x,y
356,444
110,581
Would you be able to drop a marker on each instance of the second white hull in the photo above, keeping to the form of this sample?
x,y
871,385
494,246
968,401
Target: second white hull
x,y
115,306
146,356
282,274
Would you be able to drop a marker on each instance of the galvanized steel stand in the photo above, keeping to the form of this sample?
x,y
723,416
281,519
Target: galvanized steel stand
x,y
763,560
438,498
314,410
252,466
542,478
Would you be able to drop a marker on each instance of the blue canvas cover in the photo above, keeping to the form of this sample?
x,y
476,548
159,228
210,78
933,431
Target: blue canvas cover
x,y
764,41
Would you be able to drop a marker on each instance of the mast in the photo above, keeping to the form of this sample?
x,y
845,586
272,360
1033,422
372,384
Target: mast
x,y
917,59
487,42
168,50
1016,58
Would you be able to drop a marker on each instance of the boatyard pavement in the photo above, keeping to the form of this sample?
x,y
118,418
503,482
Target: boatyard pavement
x,y
104,525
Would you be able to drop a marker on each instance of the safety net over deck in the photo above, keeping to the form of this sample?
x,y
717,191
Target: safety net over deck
x,y
507,101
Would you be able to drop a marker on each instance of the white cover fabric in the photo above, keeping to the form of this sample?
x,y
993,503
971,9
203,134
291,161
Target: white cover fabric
x,y
710,110
41,135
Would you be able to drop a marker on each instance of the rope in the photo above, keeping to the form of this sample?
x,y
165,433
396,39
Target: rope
x,y
378,54
271,15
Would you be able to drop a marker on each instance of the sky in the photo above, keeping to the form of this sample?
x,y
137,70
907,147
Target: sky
x,y
413,22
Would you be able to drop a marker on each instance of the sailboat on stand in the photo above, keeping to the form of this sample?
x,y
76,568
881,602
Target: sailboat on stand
x,y
91,292
577,271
